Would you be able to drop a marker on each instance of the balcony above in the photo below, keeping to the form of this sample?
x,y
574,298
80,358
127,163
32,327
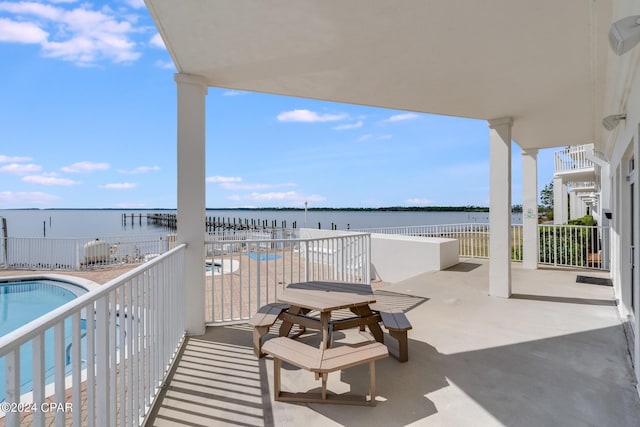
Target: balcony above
x,y
574,164
582,187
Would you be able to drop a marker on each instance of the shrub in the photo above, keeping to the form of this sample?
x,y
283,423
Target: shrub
x,y
585,220
565,245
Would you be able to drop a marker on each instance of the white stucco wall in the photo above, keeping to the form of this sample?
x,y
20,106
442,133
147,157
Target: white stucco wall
x,y
395,258
622,96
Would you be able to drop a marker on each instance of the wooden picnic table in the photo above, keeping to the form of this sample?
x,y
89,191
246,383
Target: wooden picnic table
x,y
326,297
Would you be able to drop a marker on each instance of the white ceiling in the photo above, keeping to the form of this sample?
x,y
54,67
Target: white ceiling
x,y
541,62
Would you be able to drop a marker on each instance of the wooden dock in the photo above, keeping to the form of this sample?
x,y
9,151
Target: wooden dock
x,y
170,221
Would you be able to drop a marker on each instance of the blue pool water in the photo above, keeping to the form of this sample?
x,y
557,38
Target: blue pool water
x,y
263,257
20,303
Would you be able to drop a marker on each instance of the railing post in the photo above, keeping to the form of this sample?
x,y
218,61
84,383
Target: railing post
x,y
12,382
102,361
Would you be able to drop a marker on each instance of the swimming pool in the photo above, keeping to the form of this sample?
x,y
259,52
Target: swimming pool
x,y
263,257
25,299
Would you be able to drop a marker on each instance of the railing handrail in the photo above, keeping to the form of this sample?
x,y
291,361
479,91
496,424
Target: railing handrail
x,y
400,227
132,237
30,330
297,239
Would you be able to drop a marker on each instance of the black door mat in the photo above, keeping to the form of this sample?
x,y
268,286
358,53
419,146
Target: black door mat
x,y
594,280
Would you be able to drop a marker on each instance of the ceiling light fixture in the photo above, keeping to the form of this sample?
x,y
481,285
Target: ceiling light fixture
x,y
624,34
610,122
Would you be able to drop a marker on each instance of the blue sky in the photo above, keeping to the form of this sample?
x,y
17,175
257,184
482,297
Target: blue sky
x,y
88,120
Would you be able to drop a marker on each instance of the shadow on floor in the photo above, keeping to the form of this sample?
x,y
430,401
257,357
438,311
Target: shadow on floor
x,y
561,380
566,300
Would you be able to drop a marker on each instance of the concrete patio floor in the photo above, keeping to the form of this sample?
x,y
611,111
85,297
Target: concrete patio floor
x,y
555,354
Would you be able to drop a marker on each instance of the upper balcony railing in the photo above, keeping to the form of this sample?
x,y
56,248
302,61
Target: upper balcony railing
x,y
574,158
582,186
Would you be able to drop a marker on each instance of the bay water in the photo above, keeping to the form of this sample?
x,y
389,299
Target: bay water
x,y
94,223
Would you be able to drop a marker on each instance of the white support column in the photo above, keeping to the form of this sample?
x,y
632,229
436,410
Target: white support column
x,y
192,91
530,238
500,207
560,202
573,205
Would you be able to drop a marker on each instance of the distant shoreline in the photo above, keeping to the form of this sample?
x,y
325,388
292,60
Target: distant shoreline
x,y
380,209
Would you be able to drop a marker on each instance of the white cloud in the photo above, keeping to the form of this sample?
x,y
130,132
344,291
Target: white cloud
x,y
401,117
285,196
136,4
13,159
348,126
119,186
20,168
156,41
167,65
21,32
72,32
27,198
309,116
234,93
48,180
84,167
223,179
419,201
372,137
140,169
248,187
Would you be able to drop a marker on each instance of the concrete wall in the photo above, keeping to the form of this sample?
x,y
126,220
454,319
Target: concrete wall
x,y
395,258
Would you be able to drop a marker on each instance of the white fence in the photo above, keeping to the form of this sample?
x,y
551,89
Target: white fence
x,y
109,371
244,275
574,246
37,253
473,238
560,245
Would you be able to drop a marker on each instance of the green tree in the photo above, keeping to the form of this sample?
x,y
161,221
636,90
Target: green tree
x,y
546,197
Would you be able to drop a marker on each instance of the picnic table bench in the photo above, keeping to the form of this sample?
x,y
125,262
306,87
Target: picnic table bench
x,y
262,321
322,361
396,322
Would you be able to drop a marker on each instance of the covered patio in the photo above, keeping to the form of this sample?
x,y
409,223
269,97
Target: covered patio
x,y
554,354
493,343
534,71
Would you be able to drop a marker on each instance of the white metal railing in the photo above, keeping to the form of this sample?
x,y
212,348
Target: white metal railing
x,y
41,253
561,245
243,275
473,238
583,186
574,246
572,158
256,234
112,349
